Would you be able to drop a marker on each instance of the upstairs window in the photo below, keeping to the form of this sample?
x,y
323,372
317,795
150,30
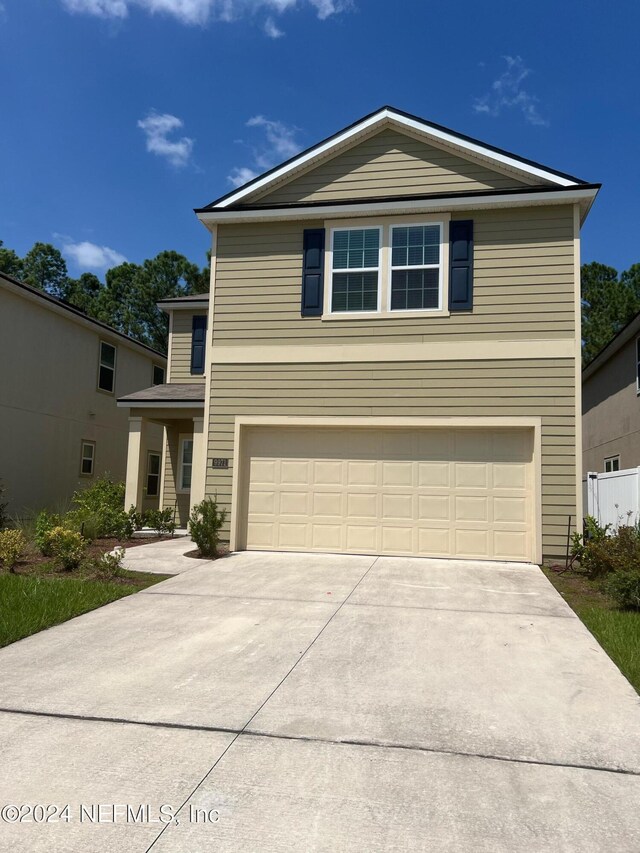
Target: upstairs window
x,y
638,365
416,271
355,269
158,375
107,368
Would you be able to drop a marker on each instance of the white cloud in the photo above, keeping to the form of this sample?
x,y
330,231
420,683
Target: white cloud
x,y
507,92
91,256
272,30
157,127
200,12
280,144
241,175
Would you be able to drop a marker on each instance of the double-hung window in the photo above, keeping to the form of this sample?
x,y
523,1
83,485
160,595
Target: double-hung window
x,y
158,375
355,273
107,368
416,268
186,464
153,475
87,458
611,464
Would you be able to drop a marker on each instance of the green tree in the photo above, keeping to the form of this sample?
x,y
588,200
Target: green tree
x,y
84,292
608,303
10,262
45,268
117,302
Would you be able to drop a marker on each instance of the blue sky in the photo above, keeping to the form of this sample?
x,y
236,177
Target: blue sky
x,y
121,116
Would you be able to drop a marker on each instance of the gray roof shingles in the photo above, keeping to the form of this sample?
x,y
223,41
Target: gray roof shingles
x,y
171,392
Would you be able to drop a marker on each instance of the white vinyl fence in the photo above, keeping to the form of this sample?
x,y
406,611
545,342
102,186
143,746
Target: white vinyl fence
x,y
613,498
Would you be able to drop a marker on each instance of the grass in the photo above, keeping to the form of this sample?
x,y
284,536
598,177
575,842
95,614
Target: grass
x,y
31,603
617,631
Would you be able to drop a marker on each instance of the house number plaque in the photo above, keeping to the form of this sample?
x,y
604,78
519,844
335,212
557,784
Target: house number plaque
x,y
219,463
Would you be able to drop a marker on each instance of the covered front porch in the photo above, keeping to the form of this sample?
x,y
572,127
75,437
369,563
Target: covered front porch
x,y
180,472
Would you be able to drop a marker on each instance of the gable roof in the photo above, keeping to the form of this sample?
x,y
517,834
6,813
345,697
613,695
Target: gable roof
x,y
626,334
378,119
61,306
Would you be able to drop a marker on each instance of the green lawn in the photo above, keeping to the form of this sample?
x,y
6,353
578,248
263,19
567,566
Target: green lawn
x,y
617,631
31,603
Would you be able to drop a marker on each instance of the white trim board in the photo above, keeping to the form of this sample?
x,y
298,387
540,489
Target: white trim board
x,y
389,116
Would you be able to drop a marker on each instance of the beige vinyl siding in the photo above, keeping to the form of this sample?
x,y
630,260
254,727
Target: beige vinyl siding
x,y
523,285
180,345
388,164
171,465
539,388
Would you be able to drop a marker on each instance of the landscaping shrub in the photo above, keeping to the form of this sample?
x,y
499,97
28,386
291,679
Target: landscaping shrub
x,y
624,588
45,522
107,565
13,546
160,520
136,518
205,523
99,511
66,547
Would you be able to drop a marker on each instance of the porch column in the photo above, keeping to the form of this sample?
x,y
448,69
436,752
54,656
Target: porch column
x,y
135,464
199,466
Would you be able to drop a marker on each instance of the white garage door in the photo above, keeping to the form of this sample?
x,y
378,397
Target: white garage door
x,y
424,492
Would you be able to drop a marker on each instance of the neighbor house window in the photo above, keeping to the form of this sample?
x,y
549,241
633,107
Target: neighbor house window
x,y
107,368
87,458
611,464
186,464
355,269
153,475
158,375
416,271
638,365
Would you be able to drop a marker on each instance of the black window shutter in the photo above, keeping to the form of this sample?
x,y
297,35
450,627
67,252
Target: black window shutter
x,y
461,265
312,272
198,343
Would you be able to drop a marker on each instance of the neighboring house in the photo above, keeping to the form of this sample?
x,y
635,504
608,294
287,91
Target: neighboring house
x,y
389,361
611,404
60,375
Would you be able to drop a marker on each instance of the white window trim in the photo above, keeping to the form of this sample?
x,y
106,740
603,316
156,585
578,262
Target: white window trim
x,y
384,275
615,458
151,453
439,266
351,314
108,366
88,443
181,440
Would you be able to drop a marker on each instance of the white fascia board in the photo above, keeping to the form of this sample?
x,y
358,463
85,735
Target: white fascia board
x,y
412,124
426,205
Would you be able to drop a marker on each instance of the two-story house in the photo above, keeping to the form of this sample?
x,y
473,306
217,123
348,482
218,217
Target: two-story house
x,y
391,352
611,404
60,427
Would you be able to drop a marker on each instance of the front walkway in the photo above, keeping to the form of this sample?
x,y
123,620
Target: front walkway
x,y
288,702
162,558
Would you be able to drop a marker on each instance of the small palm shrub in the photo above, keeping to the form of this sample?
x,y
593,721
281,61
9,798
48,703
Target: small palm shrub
x,y
13,546
66,547
205,523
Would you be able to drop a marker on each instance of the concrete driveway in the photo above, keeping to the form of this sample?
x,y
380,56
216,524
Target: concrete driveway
x,y
286,702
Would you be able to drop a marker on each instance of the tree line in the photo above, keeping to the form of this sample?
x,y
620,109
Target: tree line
x,y
125,300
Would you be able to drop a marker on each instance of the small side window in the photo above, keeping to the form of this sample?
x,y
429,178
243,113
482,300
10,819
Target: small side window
x,y
638,365
158,375
87,458
186,461
611,464
153,475
107,368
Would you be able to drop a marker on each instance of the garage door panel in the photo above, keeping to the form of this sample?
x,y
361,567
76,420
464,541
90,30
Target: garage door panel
x,y
447,493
